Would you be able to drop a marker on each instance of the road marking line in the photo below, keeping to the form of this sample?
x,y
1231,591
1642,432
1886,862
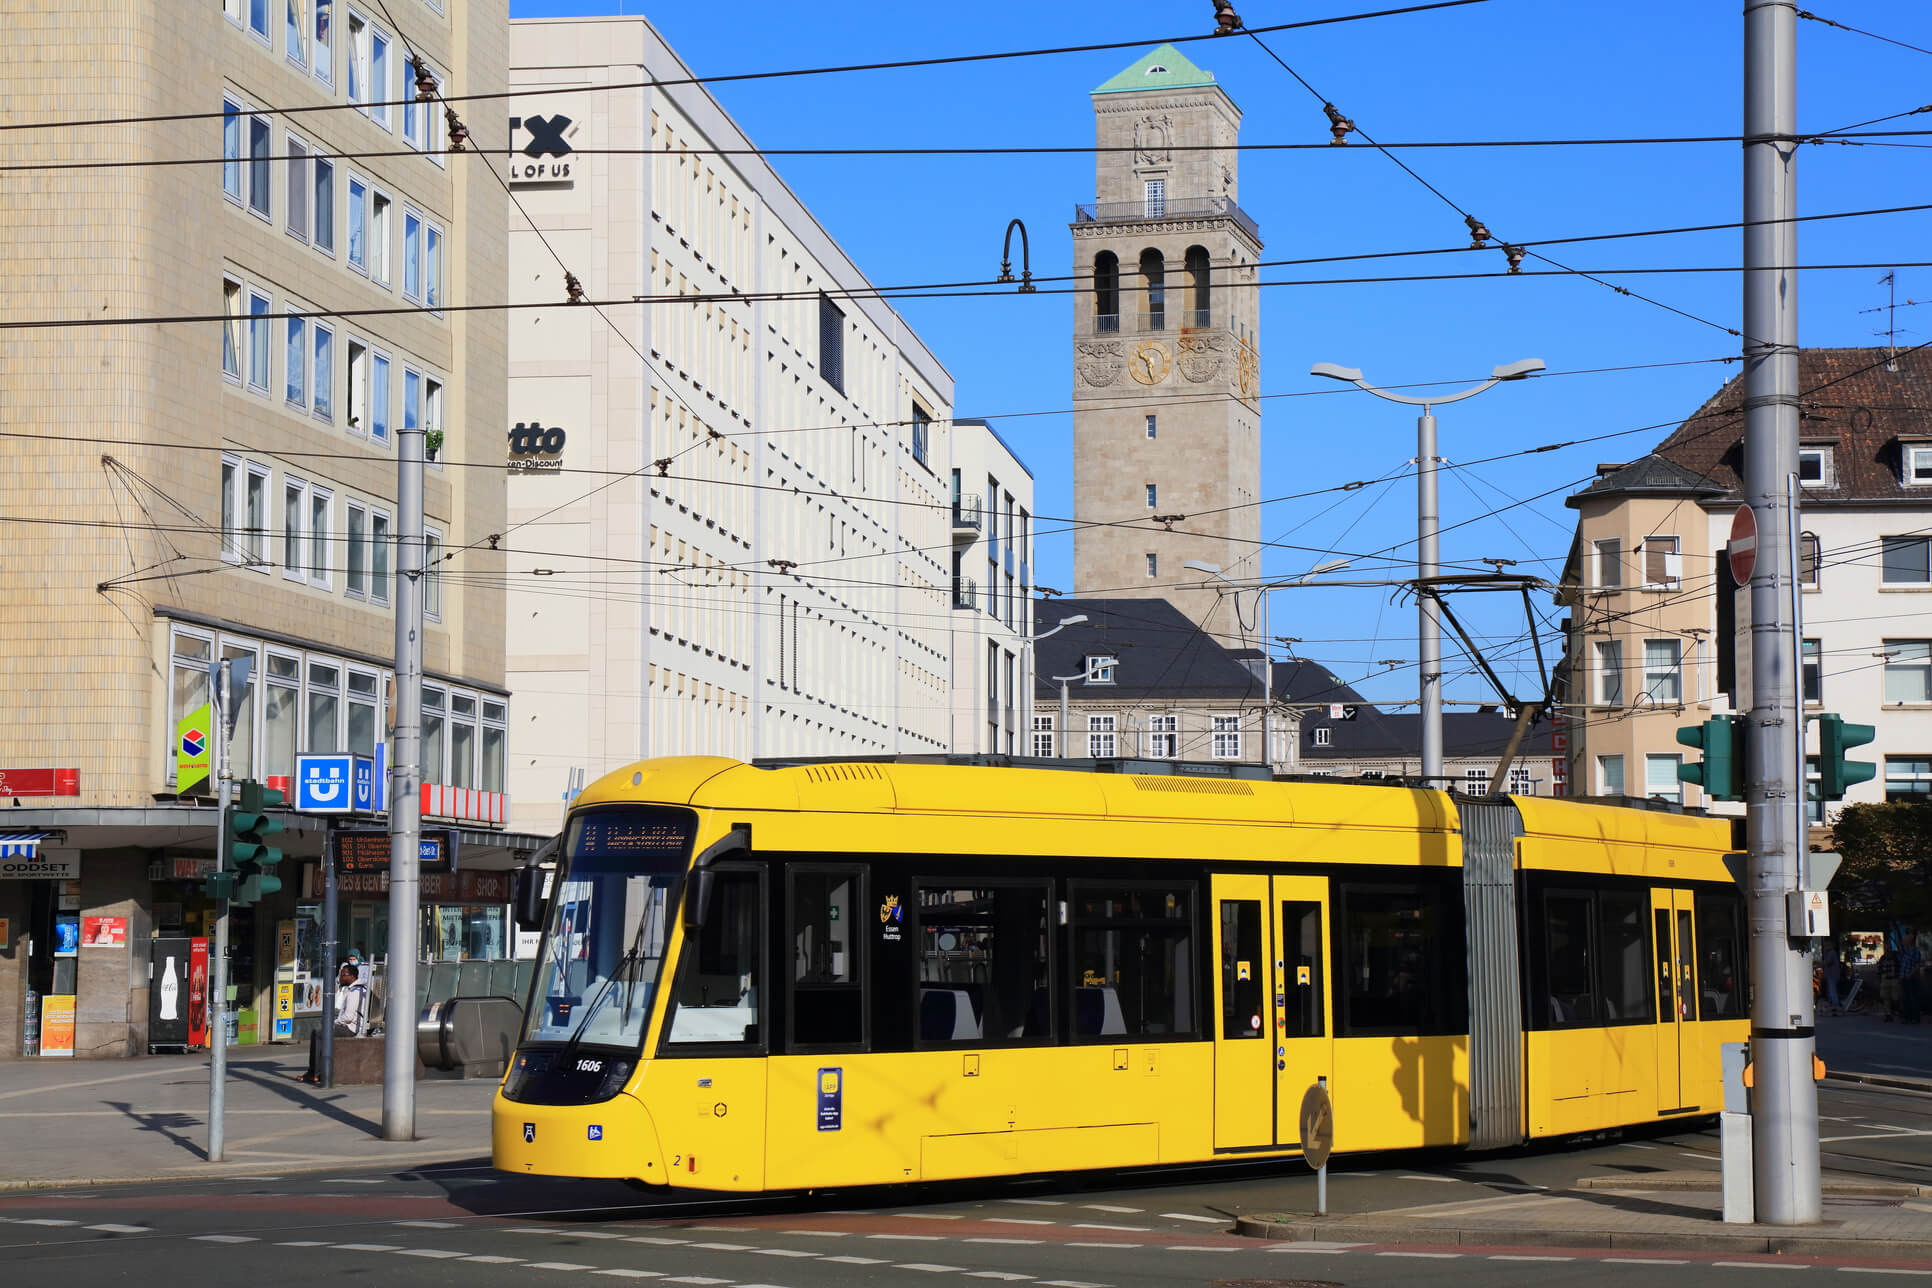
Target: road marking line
x,y
1882,1270
367,1247
1105,1245
629,1238
1760,1265
1027,1243
121,1229
42,1220
626,1273
428,1225
1095,1225
1110,1207
439,1254
1443,1180
69,1086
928,1266
1019,1220
541,1229
225,1238
1069,1283
723,1247
1189,1216
1501,1257
858,1261
588,1234
1199,1247
1006,1275
1302,1247
1642,1261
1038,1202
1437,1256
572,1265
494,1261
303,1243
786,1252
820,1234
930,1216
352,1180
903,1238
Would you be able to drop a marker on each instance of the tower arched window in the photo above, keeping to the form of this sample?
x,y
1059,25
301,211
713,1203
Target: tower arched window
x,y
1153,273
1199,303
1106,291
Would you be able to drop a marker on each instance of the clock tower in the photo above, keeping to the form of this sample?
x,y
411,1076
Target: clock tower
x,y
1166,411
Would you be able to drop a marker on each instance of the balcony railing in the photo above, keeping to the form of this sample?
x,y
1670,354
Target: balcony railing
x,y
966,513
964,593
1197,319
1126,212
1106,323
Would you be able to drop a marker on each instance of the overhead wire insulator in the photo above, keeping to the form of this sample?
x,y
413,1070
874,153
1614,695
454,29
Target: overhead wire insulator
x,y
573,288
426,86
1226,20
459,133
1338,125
1515,256
1479,233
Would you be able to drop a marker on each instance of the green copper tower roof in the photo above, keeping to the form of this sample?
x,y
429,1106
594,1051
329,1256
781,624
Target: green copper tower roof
x,y
1162,68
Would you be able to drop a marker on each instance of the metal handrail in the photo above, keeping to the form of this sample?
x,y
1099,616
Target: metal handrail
x,y
1113,212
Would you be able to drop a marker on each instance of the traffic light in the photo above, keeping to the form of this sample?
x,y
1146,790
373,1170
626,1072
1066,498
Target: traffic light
x,y
1835,773
1721,772
251,859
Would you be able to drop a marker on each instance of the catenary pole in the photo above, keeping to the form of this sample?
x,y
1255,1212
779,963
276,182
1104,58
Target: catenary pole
x,y
1428,521
405,799
1784,1104
218,960
325,1040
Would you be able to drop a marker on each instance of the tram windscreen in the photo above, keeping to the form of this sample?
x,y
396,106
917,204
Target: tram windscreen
x,y
610,923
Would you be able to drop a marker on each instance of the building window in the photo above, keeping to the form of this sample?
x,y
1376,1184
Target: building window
x,y
433,417
1100,668
363,706
831,343
1609,569
381,222
379,557
1609,673
323,377
1155,193
1153,565
1918,464
355,59
1163,737
1609,775
1324,736
324,37
1106,292
1200,301
921,427
1152,496
1907,561
412,401
297,32
1815,467
324,204
1811,663
1100,737
258,350
1908,670
358,225
433,735
356,400
462,740
379,397
412,284
1476,781
321,530
1808,560
1043,737
1153,276
1663,565
379,88
1521,783
231,149
495,733
324,708
281,713
433,577
294,516
1152,424
295,363
231,540
260,144
231,329
1225,742
189,686
255,515
296,211
1663,672
432,266
1814,792
415,117
1909,779
356,551
1660,778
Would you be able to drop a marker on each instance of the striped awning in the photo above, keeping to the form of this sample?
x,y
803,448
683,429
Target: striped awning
x,y
25,845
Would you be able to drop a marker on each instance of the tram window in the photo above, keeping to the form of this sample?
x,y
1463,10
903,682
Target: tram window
x,y
1301,939
1624,970
717,994
1566,940
1402,952
1133,962
983,964
828,999
1243,969
1720,960
1666,991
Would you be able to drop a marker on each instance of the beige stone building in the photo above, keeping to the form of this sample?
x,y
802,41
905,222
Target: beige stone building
x,y
1166,325
223,486
747,513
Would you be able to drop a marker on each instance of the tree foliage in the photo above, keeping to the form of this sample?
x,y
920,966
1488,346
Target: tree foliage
x,y
1887,852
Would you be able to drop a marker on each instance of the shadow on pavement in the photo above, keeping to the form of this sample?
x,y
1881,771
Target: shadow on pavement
x,y
171,1124
271,1077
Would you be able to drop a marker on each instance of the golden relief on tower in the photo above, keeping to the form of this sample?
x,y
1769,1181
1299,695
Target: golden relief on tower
x,y
1247,372
1150,362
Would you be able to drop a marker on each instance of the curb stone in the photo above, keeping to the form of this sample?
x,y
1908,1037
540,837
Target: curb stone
x,y
244,1171
1284,1228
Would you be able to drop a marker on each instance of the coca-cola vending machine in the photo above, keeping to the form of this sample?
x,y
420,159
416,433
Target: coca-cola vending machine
x,y
198,992
178,995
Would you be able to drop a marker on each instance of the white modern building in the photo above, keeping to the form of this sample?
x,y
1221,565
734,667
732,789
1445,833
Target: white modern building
x,y
728,520
992,518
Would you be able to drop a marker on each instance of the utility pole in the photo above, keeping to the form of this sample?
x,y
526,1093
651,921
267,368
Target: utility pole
x,y
218,963
405,800
1784,1104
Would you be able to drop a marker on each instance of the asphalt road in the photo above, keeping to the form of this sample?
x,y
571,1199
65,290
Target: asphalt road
x,y
469,1225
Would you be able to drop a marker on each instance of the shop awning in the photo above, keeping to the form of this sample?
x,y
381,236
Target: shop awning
x,y
24,845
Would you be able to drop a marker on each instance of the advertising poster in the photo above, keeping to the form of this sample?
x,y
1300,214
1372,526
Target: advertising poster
x,y
6,934
198,992
104,932
284,1029
66,936
194,736
57,1024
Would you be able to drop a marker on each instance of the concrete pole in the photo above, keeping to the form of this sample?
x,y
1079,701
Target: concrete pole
x,y
1428,625
405,800
1784,1105
325,1040
218,959
1267,681
1065,732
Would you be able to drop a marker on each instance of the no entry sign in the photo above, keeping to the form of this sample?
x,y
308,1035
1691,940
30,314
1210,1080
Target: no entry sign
x,y
1744,545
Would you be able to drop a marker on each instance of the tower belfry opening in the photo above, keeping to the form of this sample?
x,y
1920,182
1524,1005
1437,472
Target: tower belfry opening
x,y
1166,329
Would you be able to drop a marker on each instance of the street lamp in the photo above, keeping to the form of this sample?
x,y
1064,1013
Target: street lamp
x,y
1026,648
1267,655
1428,627
1063,681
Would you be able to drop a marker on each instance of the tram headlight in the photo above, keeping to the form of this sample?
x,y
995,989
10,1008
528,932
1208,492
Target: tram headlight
x,y
560,1078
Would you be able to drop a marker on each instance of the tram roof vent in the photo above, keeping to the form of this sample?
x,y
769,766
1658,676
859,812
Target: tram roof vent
x,y
842,773
1198,786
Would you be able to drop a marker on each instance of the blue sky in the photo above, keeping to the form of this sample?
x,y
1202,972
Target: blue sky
x,y
1506,69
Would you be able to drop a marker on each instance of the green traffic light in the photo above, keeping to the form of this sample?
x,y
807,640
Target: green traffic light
x,y
1835,773
1721,739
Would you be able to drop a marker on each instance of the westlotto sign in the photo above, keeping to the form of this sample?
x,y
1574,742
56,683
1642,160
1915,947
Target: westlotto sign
x,y
540,149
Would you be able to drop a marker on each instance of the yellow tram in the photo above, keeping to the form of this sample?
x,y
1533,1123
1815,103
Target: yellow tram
x,y
865,973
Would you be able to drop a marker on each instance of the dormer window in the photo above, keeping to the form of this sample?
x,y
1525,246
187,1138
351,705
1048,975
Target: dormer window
x,y
1323,736
1157,70
1814,467
1918,465
1100,668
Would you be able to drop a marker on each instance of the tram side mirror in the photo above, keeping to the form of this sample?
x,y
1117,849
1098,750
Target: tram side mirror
x,y
529,898
703,881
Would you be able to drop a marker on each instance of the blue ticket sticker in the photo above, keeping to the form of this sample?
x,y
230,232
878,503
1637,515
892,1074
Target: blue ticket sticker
x,y
831,1099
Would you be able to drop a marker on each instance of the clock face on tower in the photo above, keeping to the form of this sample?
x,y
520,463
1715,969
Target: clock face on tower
x,y
1150,362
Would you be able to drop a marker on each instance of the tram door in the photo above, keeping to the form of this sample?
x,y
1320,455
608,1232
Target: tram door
x,y
1672,947
1272,1021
